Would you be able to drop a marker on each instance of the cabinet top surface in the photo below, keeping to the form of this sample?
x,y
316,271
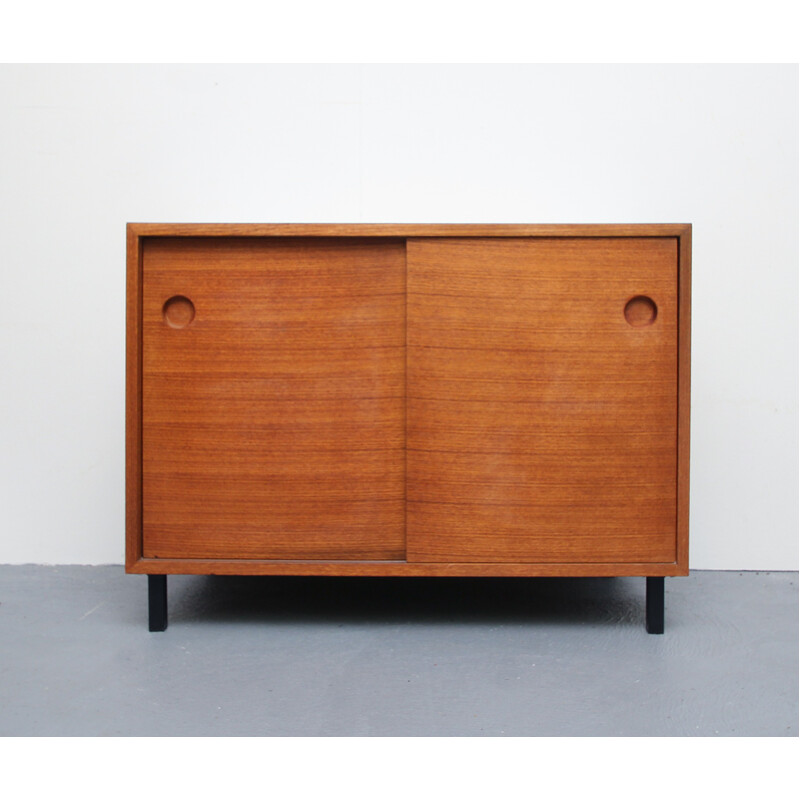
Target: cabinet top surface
x,y
404,230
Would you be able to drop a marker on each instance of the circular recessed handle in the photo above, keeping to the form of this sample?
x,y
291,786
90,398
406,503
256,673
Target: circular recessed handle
x,y
178,311
640,311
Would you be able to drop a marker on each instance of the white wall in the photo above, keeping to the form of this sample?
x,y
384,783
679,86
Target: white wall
x,y
85,149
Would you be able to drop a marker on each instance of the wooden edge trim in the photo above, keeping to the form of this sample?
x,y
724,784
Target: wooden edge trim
x,y
403,230
133,402
684,392
158,566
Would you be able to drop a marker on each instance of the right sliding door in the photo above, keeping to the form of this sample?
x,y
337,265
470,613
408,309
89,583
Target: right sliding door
x,y
542,400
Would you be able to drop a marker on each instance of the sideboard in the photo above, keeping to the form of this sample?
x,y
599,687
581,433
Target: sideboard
x,y
408,400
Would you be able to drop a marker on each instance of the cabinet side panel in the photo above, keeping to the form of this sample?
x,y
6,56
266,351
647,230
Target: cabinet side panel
x,y
684,391
133,402
542,400
274,398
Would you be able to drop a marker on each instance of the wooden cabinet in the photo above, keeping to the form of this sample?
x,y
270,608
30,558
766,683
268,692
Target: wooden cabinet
x,y
497,400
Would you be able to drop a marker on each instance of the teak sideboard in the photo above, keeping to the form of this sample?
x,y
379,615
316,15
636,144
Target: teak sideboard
x,y
408,400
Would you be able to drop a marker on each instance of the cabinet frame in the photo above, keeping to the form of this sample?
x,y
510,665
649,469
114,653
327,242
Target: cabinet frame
x,y
137,564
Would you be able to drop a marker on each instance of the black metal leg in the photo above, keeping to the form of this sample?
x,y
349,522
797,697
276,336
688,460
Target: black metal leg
x,y
654,617
157,600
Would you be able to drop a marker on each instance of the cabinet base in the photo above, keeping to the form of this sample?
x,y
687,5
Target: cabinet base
x,y
157,601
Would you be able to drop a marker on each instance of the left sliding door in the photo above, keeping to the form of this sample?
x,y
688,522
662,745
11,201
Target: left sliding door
x,y
273,410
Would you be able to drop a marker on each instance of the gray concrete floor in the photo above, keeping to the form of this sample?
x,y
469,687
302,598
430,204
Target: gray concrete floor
x,y
396,657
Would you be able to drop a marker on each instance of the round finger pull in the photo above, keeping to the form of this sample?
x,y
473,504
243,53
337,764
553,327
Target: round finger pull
x,y
640,311
178,311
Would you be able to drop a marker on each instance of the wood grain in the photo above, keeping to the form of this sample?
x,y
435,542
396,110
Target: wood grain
x,y
274,422
542,425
